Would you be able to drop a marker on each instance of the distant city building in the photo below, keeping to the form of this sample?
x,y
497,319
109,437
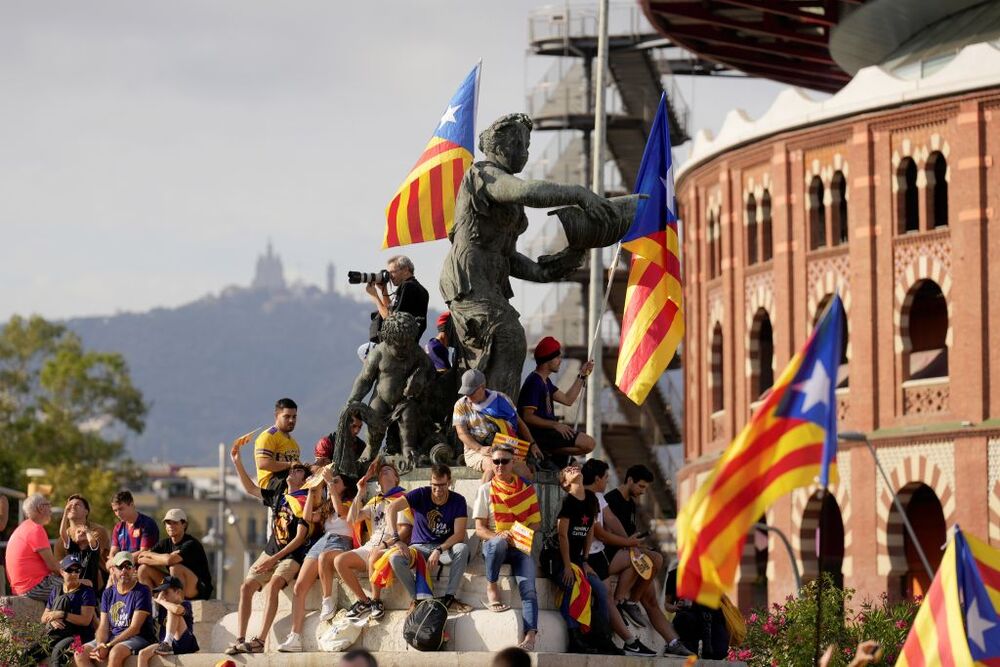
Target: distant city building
x,y
331,278
270,274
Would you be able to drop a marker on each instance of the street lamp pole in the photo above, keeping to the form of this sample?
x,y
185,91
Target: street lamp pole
x,y
855,436
788,547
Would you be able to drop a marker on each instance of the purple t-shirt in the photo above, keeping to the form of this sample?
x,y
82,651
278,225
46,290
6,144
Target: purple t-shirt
x,y
537,393
121,607
143,536
433,524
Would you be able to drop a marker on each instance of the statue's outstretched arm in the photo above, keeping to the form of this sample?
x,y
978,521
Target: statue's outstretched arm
x,y
366,378
506,189
526,268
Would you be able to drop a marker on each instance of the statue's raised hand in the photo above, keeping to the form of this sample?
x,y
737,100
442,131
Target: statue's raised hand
x,y
598,208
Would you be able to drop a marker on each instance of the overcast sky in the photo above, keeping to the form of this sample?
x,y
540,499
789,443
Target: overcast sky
x,y
148,150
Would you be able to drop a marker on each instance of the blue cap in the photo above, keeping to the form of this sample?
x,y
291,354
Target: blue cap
x,y
68,562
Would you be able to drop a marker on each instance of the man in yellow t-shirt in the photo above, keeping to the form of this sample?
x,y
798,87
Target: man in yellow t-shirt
x,y
275,450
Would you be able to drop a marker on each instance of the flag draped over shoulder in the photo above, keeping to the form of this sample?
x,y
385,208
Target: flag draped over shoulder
x,y
423,208
653,321
790,440
966,586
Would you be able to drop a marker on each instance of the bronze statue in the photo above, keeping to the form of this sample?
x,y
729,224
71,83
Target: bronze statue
x,y
489,217
401,372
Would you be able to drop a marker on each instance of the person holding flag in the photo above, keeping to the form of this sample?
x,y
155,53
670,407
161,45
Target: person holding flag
x,y
789,442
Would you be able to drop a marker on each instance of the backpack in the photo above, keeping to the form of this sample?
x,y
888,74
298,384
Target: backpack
x,y
423,628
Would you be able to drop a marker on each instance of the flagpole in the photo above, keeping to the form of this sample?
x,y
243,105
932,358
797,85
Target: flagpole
x,y
819,581
595,310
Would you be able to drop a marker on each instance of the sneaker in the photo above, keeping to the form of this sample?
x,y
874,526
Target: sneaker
x,y
359,609
378,610
292,644
636,647
631,613
327,610
164,648
675,647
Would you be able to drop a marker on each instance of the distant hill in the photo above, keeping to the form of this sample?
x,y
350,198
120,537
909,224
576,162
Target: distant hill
x,y
212,369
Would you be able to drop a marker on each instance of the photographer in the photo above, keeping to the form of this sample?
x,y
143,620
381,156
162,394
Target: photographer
x,y
409,297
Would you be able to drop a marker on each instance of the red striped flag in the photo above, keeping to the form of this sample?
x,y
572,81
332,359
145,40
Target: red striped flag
x,y
653,321
423,208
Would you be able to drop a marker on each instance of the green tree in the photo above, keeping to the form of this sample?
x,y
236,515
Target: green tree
x,y
65,409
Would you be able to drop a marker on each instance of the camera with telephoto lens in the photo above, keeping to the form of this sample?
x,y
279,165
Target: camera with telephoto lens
x,y
365,278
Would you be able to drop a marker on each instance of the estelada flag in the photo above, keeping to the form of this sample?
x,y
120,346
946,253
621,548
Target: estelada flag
x,y
790,441
423,208
958,623
246,437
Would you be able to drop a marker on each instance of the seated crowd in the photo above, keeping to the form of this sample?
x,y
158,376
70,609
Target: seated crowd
x,y
128,592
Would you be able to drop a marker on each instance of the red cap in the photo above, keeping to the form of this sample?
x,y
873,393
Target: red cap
x,y
442,320
324,448
548,348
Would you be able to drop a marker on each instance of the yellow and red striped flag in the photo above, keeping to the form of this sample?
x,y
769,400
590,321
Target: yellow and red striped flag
x,y
653,321
965,588
574,601
246,437
423,208
790,441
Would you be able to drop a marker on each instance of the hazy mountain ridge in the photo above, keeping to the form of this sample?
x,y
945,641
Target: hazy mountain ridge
x,y
212,369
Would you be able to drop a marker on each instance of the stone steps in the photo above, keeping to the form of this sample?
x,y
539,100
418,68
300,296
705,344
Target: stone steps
x,y
414,658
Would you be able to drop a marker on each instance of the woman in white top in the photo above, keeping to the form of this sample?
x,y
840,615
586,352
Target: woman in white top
x,y
336,539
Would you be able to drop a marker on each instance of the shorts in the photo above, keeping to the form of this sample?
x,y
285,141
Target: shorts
x,y
600,563
186,643
285,569
205,591
41,590
135,644
549,439
475,460
329,542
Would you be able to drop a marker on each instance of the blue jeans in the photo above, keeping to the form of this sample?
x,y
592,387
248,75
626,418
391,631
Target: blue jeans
x,y
498,552
599,617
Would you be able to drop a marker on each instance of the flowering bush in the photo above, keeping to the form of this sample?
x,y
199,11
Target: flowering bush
x,y
16,635
785,634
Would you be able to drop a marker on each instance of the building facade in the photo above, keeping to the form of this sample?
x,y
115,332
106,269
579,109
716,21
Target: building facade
x,y
888,193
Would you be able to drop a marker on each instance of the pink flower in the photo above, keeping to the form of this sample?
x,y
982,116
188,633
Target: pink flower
x,y
901,624
753,617
7,611
744,654
77,645
770,628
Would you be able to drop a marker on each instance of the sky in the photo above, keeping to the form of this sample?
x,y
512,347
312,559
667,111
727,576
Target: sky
x,y
151,149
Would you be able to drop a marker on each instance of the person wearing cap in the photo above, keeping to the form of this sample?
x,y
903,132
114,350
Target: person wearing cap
x,y
283,554
275,450
175,619
126,625
179,554
326,445
479,415
439,519
534,403
381,537
70,611
437,347
500,502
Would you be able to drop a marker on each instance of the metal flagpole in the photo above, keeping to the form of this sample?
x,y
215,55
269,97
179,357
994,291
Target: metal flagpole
x,y
595,311
819,581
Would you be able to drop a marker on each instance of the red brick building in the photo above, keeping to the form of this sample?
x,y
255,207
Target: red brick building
x,y
888,191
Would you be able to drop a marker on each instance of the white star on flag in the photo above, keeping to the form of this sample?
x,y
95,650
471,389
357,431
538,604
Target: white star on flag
x,y
668,185
978,626
449,115
816,389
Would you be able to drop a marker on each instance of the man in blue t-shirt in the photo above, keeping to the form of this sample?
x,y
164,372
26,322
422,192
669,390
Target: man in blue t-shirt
x,y
126,625
557,440
439,521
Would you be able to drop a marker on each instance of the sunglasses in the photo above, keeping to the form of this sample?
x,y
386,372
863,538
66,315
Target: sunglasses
x,y
125,566
501,462
73,570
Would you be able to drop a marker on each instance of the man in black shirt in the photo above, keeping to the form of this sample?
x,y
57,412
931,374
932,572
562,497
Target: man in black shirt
x,y
409,297
628,597
180,555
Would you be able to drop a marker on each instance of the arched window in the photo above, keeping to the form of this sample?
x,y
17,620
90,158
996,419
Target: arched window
x,y
925,331
817,214
843,379
751,229
937,188
838,208
761,354
766,240
907,196
716,369
710,243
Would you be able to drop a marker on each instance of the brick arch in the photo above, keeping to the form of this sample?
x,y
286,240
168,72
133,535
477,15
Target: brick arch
x,y
830,283
923,268
994,535
760,298
905,478
805,518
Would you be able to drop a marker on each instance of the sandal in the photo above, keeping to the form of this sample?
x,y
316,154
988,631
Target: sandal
x,y
496,607
234,648
528,643
255,645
